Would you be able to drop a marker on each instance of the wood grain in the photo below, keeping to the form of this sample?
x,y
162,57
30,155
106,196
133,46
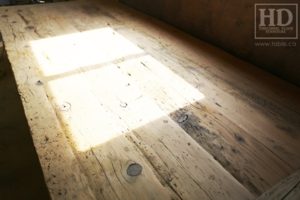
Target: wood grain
x,y
104,87
289,188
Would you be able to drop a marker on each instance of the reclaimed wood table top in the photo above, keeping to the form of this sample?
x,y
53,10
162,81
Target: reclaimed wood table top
x,y
122,106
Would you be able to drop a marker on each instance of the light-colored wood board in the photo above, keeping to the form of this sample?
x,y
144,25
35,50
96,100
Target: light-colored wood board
x,y
148,123
247,119
56,156
281,119
231,106
238,152
233,188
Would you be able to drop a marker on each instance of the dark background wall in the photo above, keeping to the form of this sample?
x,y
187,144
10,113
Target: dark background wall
x,y
228,24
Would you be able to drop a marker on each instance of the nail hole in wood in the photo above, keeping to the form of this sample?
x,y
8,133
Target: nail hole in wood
x,y
123,104
183,118
39,82
134,169
66,106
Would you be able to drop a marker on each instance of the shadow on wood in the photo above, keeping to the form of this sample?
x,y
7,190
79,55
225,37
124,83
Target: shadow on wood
x,y
21,176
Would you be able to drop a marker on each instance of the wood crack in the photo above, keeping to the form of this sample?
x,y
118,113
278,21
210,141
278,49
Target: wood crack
x,y
106,176
157,170
202,189
291,190
24,19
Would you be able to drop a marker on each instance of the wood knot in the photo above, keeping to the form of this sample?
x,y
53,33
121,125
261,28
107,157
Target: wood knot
x,y
134,169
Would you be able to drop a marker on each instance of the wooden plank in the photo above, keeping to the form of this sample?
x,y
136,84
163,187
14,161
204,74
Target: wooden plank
x,y
232,147
233,122
160,140
78,113
108,75
289,188
21,175
63,174
283,124
99,144
294,194
282,118
227,110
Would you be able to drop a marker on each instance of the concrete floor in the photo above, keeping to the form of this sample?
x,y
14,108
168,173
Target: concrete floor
x,y
20,172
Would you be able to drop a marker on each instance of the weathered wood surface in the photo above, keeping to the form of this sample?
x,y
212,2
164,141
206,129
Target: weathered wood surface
x,y
287,189
104,87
